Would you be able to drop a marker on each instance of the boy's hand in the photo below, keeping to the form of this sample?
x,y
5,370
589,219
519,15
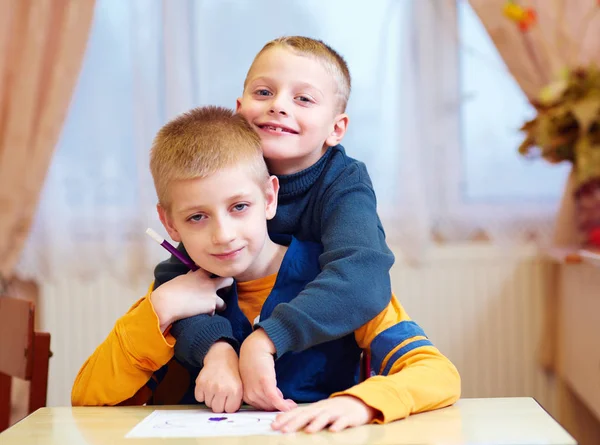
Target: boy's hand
x,y
338,412
188,295
219,384
257,369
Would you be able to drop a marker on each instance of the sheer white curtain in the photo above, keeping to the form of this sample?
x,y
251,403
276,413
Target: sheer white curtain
x,y
149,60
99,198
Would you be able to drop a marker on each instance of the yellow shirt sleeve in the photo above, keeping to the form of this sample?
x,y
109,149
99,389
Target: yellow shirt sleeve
x,y
125,360
413,376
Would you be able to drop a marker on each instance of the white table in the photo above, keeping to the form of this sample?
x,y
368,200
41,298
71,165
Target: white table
x,y
499,421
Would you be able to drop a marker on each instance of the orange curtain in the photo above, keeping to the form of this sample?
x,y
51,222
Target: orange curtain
x,y
566,35
42,43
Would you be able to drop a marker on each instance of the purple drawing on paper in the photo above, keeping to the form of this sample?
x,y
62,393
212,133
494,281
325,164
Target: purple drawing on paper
x,y
217,419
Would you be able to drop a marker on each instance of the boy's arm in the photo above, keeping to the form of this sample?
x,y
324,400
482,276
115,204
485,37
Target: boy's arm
x,y
413,376
355,264
126,360
196,335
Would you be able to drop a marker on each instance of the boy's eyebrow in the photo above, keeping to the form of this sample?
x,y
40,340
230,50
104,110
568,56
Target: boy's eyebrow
x,y
310,86
302,85
241,195
189,208
260,79
236,197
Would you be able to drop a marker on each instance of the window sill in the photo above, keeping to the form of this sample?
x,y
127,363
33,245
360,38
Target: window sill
x,y
574,255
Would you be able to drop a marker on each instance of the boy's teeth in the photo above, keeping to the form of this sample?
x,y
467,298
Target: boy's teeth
x,y
272,128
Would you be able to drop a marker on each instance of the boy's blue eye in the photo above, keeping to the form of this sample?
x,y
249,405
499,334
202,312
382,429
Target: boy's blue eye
x,y
240,207
196,218
303,99
263,92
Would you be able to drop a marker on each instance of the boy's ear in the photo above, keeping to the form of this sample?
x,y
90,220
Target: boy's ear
x,y
238,104
271,193
167,222
340,125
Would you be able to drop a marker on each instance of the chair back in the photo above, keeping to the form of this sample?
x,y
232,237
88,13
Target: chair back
x,y
24,354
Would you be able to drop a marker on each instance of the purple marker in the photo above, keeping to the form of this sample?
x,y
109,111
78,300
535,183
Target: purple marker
x,y
176,253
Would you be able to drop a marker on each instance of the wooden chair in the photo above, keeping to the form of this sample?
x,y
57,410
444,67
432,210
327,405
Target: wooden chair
x,y
24,354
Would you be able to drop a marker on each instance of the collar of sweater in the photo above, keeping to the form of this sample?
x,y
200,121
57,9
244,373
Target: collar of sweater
x,y
298,183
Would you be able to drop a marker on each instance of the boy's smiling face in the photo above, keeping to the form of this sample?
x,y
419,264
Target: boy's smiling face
x,y
291,101
222,221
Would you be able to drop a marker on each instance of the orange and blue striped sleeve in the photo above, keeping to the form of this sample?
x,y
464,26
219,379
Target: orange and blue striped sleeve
x,y
409,374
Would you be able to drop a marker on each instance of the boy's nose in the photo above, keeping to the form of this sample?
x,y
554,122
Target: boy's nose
x,y
275,110
278,106
223,234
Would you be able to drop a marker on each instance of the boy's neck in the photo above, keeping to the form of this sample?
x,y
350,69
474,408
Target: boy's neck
x,y
286,167
268,262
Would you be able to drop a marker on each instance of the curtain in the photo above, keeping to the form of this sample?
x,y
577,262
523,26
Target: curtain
x,y
566,36
41,47
149,60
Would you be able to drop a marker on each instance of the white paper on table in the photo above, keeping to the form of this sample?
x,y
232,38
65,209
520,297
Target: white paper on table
x,y
200,423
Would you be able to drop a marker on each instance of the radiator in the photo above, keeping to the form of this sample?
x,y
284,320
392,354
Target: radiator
x,y
482,306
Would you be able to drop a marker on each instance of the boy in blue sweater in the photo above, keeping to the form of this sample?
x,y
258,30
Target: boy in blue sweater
x,y
295,95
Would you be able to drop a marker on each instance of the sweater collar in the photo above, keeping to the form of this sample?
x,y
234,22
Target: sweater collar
x,y
298,183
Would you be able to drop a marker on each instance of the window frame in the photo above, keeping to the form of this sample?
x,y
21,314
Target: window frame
x,y
444,106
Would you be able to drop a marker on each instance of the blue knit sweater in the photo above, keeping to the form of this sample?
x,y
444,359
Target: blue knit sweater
x,y
333,203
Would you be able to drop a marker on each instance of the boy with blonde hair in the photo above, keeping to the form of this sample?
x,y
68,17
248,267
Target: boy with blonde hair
x,y
216,196
295,96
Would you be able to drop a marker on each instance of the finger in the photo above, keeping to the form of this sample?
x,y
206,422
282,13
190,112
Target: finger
x,y
199,394
255,403
220,304
263,403
281,422
281,419
218,404
284,419
300,420
233,404
220,283
320,422
208,398
275,397
341,423
290,403
259,395
200,273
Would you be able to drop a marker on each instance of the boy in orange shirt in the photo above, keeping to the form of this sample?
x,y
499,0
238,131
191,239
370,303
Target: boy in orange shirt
x,y
216,196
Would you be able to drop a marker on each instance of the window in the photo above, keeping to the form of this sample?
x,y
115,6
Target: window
x,y
436,121
492,110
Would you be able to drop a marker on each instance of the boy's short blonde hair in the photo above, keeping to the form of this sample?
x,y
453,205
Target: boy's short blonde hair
x,y
200,143
333,62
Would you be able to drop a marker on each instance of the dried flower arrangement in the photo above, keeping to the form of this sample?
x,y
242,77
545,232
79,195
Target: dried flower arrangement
x,y
567,123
